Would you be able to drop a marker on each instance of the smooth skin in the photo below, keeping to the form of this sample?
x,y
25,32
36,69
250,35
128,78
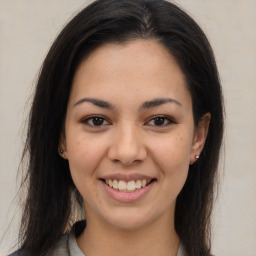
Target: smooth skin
x,y
130,112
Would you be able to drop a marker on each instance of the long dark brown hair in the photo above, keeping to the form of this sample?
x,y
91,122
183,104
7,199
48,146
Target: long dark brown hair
x,y
49,204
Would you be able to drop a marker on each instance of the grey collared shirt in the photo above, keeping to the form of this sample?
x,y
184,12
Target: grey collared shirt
x,y
67,246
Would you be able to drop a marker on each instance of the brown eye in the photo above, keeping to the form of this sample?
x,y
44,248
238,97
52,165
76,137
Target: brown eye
x,y
95,121
160,121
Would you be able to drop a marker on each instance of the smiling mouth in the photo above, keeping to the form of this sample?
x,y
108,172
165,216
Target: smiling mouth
x,y
127,186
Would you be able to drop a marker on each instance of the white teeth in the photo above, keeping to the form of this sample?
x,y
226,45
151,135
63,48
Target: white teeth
x,y
143,183
138,184
129,186
122,185
110,183
115,184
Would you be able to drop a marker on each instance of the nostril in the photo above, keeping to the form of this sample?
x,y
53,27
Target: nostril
x,y
127,152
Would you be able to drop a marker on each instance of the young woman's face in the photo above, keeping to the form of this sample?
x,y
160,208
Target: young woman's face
x,y
130,134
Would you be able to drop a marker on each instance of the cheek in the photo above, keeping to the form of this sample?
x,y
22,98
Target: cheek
x,y
173,153
84,153
172,158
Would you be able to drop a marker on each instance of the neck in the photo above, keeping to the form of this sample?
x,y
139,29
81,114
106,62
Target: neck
x,y
158,238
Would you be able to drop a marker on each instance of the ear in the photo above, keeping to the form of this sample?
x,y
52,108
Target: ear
x,y
62,148
200,136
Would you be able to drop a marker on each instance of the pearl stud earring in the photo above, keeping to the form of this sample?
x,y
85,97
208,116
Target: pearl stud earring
x,y
62,153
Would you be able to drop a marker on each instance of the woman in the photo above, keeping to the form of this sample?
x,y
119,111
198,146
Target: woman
x,y
126,125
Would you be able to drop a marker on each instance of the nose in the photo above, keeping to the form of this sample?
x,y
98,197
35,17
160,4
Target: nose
x,y
127,146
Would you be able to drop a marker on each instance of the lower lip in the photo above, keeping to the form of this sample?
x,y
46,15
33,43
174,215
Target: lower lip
x,y
127,197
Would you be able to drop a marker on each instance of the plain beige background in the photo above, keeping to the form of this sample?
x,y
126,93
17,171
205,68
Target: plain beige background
x,y
27,29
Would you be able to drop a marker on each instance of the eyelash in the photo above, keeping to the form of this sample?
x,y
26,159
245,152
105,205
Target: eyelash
x,y
167,121
163,117
94,118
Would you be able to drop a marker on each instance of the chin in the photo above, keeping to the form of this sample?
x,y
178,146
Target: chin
x,y
128,219
132,224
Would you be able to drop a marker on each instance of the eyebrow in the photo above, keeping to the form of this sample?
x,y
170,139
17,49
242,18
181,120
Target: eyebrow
x,y
96,102
147,104
158,102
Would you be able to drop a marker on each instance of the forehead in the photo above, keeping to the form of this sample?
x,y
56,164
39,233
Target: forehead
x,y
140,67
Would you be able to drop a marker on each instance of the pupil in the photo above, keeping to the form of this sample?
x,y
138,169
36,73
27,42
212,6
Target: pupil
x,y
159,121
97,121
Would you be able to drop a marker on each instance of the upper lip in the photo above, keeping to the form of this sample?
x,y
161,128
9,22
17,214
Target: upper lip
x,y
127,177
